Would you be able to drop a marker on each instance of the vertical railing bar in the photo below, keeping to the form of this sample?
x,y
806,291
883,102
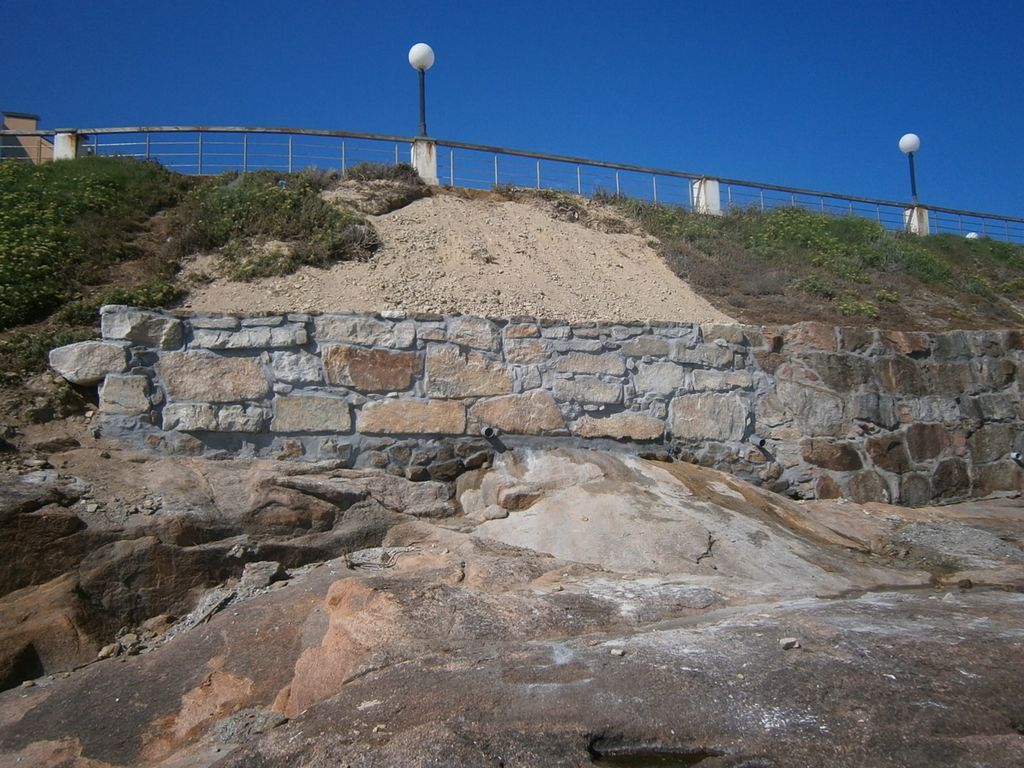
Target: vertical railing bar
x,y
579,182
495,169
148,137
396,153
654,180
451,167
762,200
878,213
289,154
344,166
728,194
983,232
617,183
245,153
200,154
538,174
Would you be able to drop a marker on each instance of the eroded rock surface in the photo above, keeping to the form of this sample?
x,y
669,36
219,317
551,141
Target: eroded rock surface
x,y
557,608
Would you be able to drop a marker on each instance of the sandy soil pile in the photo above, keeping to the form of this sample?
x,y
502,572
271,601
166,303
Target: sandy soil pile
x,y
483,256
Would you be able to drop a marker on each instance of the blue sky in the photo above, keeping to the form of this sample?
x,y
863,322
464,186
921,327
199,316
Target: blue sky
x,y
807,94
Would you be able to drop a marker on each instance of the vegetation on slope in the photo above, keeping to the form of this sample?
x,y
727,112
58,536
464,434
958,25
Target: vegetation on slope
x,y
79,234
767,267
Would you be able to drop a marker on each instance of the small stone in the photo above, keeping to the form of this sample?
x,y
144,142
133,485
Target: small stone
x,y
108,651
28,683
617,652
789,643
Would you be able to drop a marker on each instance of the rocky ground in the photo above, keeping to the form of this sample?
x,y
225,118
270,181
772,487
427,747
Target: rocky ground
x,y
550,608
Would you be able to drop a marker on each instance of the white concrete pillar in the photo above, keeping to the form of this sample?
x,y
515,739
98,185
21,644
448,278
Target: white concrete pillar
x,y
424,160
706,197
65,146
915,220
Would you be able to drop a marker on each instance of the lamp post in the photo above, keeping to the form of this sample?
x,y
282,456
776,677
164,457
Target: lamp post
x,y
909,144
421,57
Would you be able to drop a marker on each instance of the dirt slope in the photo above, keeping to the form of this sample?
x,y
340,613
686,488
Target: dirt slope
x,y
482,255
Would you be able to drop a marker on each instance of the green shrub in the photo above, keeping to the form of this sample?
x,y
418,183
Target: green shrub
x,y
383,171
243,212
816,285
858,308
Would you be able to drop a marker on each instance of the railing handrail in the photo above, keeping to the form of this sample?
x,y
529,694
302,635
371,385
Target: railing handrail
x,y
569,159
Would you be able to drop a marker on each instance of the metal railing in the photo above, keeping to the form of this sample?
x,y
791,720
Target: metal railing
x,y
210,150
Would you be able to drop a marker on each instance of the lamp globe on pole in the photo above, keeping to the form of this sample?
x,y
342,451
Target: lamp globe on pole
x,y
909,144
421,57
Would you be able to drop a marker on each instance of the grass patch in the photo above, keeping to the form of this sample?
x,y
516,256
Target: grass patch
x,y
842,267
62,223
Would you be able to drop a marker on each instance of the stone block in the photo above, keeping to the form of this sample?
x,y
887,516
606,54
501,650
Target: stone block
x,y
840,457
587,389
190,417
888,452
366,331
926,441
261,320
296,367
124,395
999,406
950,378
915,490
950,480
812,335
727,332
709,417
815,412
451,373
621,426
826,488
839,371
370,370
206,377
581,362
951,345
310,414
644,346
214,321
856,339
242,418
867,486
910,343
534,413
151,329
526,351
991,443
475,332
659,378
900,376
721,380
251,337
704,355
413,417
87,362
999,476
522,331
206,417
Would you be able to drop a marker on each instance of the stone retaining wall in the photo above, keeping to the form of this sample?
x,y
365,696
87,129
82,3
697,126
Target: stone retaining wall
x,y
808,409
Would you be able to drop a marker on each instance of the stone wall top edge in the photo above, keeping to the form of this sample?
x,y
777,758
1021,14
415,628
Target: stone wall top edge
x,y
396,315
